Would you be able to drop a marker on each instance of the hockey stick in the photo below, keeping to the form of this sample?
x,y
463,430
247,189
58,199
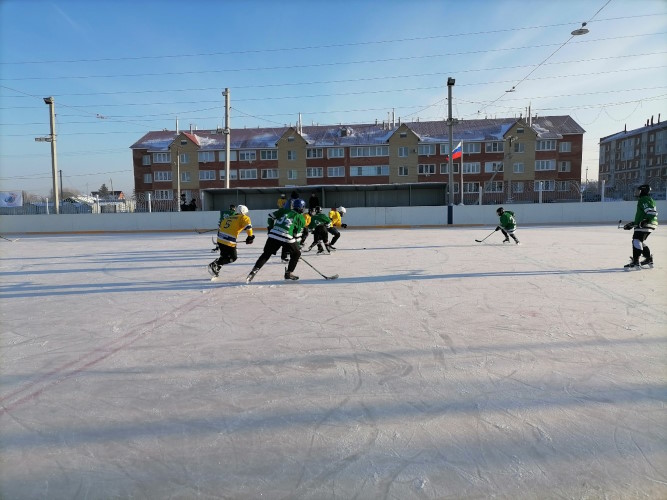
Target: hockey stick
x,y
11,241
622,226
202,231
479,241
313,267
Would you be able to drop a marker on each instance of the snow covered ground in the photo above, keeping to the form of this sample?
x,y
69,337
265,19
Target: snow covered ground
x,y
434,367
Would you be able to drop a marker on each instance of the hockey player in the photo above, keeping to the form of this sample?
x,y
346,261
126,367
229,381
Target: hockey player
x,y
285,228
223,215
319,225
507,224
228,232
301,239
646,221
336,215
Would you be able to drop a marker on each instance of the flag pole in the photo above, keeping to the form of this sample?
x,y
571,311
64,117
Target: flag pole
x,y
461,172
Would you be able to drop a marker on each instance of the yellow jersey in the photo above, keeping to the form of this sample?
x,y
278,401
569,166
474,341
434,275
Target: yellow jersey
x,y
231,227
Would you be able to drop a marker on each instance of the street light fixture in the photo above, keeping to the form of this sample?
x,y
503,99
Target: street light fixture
x,y
580,31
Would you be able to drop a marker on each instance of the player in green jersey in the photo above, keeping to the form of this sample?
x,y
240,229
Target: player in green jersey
x,y
507,224
285,230
646,221
319,224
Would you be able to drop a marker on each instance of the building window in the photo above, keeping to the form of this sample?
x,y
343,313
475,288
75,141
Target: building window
x,y
161,157
541,165
493,166
424,169
403,134
472,167
268,154
146,160
519,130
232,156
403,151
164,194
186,177
335,152
546,185
148,178
205,156
565,147
518,187
291,155
546,145
270,173
247,156
313,172
426,150
563,185
518,168
402,171
471,187
246,174
472,147
232,177
564,166
314,153
292,175
184,158
444,168
207,175
335,171
163,176
290,139
368,151
493,186
369,171
519,147
494,147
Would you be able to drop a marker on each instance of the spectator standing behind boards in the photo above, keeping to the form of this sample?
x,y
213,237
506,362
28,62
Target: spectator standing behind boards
x,y
228,232
313,202
507,224
336,215
646,221
282,201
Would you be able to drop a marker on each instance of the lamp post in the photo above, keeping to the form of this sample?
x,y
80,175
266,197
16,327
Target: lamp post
x,y
450,181
54,158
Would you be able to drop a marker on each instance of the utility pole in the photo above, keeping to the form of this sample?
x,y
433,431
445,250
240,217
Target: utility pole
x,y
178,179
61,184
54,157
450,181
227,133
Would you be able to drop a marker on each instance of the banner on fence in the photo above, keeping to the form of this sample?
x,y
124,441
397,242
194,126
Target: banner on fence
x,y
11,198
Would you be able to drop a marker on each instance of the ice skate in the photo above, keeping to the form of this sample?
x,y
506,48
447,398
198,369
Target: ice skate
x,y
290,276
506,240
647,262
213,269
251,275
633,264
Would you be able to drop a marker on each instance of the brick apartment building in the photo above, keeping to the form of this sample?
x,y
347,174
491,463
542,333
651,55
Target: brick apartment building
x,y
509,159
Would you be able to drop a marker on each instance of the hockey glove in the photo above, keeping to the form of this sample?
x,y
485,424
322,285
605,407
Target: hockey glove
x,y
629,226
643,223
249,240
497,228
344,225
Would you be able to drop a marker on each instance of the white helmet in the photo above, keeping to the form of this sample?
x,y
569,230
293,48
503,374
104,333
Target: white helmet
x,y
242,209
341,210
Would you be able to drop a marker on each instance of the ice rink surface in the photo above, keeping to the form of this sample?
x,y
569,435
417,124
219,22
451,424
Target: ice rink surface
x,y
434,367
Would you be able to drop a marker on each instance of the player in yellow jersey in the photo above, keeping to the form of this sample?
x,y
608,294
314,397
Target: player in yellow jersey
x,y
228,232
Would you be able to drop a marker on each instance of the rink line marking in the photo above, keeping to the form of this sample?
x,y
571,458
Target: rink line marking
x,y
138,332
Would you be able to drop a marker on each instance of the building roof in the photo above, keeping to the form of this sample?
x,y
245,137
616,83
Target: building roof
x,y
637,131
494,129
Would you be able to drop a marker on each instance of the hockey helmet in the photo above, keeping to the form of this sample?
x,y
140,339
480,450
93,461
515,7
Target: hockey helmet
x,y
318,210
342,210
643,190
299,205
242,209
500,211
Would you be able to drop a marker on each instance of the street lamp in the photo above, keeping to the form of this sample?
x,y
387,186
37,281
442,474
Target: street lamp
x,y
54,159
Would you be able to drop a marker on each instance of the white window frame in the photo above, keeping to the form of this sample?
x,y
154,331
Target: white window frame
x,y
148,178
335,171
565,147
163,194
369,170
291,155
146,160
493,166
248,155
403,151
444,167
335,152
247,174
403,170
270,173
207,175
473,167
472,148
426,169
471,187
519,147
368,151
233,176
184,158
545,145
162,176
315,153
186,177
426,150
545,165
547,185
494,147
518,167
161,157
205,156
493,187
565,166
233,155
562,186
292,175
314,172
268,154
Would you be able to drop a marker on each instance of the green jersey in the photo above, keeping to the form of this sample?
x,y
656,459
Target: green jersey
x,y
507,220
286,225
319,220
646,211
225,214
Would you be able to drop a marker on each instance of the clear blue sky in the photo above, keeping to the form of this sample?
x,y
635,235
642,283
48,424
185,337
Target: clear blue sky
x,y
120,69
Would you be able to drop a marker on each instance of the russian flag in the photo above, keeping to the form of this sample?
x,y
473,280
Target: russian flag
x,y
458,151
